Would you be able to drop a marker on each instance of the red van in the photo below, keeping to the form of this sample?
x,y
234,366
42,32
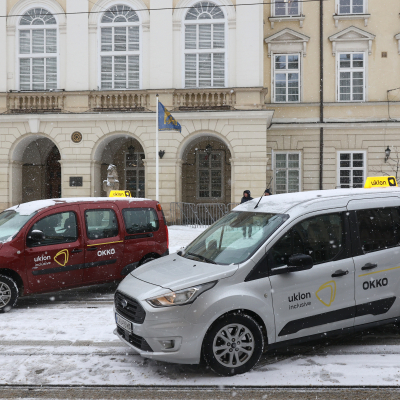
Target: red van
x,y
48,245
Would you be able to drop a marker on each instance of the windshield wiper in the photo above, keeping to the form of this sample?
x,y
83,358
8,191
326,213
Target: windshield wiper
x,y
202,258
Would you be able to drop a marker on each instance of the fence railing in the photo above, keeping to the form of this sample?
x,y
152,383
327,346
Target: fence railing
x,y
203,214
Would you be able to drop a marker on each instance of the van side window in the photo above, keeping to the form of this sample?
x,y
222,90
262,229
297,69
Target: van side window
x,y
57,228
140,220
101,224
378,228
321,237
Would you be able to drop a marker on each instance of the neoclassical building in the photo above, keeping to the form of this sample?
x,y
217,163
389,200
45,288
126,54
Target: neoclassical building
x,y
79,79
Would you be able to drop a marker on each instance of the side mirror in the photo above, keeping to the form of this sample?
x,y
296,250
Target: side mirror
x,y
36,236
296,262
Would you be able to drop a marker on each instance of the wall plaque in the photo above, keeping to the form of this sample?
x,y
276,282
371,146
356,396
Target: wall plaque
x,y
76,137
75,181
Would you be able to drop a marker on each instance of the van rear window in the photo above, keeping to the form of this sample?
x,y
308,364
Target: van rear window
x,y
140,220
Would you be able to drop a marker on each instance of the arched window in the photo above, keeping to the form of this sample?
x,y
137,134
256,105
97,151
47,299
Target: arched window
x,y
205,46
120,49
38,56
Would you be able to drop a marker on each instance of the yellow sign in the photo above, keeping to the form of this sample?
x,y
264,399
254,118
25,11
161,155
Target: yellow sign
x,y
380,181
326,293
120,193
61,258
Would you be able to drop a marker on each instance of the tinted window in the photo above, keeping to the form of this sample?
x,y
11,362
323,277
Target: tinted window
x,y
140,220
101,224
57,228
321,237
378,228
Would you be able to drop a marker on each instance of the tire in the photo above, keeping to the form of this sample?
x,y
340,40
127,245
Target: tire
x,y
147,260
8,294
221,342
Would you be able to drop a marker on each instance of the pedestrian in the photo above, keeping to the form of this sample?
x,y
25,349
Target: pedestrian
x,y
267,192
246,196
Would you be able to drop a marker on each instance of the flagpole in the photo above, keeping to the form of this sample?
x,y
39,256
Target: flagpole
x,y
157,150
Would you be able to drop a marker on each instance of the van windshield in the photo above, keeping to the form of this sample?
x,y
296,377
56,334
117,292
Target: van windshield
x,y
11,223
234,238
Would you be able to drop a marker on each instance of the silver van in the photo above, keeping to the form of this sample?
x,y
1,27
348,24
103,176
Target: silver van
x,y
296,268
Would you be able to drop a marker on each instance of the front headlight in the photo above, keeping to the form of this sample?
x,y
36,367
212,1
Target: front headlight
x,y
180,297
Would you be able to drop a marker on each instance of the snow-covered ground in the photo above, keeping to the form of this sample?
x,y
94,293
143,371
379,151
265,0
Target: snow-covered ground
x,y
67,338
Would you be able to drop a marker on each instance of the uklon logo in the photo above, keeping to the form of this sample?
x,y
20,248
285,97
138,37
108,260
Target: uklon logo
x,y
375,283
61,258
326,293
41,258
299,296
106,252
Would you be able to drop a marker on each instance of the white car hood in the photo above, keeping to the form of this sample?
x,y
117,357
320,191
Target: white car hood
x,y
175,272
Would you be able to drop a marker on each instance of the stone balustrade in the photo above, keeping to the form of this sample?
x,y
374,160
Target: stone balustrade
x,y
204,99
119,101
35,102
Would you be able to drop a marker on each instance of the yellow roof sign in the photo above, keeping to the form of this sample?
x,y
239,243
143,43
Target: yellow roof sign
x,y
380,181
120,193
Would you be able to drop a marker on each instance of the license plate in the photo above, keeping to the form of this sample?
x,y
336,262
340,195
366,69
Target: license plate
x,y
123,323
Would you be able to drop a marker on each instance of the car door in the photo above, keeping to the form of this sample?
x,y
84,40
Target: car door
x,y
104,242
55,261
376,240
319,299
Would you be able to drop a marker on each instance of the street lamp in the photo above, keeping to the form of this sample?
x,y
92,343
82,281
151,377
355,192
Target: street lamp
x,y
387,153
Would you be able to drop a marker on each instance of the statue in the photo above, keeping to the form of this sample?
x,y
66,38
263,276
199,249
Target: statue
x,y
112,182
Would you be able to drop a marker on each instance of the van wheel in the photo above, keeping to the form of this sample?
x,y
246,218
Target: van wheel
x,y
147,260
8,293
233,345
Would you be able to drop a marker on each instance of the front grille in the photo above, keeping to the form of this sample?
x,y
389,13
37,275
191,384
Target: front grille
x,y
134,340
133,311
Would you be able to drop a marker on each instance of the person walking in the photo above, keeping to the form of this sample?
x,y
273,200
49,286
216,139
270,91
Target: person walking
x,y
246,196
267,192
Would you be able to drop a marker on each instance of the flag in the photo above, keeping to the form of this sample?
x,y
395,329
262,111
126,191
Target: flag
x,y
166,121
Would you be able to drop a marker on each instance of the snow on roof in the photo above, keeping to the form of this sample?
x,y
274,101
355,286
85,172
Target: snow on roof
x,y
282,203
34,206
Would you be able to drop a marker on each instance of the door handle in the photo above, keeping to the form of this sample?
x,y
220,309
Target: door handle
x,y
91,249
339,272
368,266
76,251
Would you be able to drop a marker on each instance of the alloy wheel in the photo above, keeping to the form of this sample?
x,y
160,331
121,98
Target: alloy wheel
x,y
5,294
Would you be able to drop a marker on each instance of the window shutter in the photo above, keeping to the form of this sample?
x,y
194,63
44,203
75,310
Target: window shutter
x,y
25,73
38,41
218,36
120,72
190,36
51,73
106,39
106,73
51,41
133,34
24,42
38,73
205,36
133,72
120,38
190,70
219,69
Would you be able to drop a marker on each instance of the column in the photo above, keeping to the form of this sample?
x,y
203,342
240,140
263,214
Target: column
x,y
3,47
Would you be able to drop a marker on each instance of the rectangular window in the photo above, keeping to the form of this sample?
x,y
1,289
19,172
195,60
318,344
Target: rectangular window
x,y
378,228
101,224
351,6
140,220
351,80
287,172
286,78
286,8
210,175
351,169
120,72
134,174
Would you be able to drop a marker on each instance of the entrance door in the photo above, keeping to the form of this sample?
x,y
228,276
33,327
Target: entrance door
x,y
376,242
56,261
53,175
320,299
104,247
135,174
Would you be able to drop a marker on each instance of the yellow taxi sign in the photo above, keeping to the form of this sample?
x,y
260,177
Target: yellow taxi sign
x,y
380,181
120,193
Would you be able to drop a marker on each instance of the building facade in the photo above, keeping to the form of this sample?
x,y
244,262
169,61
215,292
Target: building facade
x,y
79,80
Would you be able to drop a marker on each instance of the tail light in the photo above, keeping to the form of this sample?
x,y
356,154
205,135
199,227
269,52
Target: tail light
x,y
167,233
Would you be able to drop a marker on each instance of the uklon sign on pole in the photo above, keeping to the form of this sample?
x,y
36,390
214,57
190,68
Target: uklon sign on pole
x,y
380,182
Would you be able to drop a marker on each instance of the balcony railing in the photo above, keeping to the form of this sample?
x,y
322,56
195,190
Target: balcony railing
x,y
207,99
119,101
35,102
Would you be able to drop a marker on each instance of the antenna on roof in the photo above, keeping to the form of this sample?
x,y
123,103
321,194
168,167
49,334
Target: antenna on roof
x,y
269,185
